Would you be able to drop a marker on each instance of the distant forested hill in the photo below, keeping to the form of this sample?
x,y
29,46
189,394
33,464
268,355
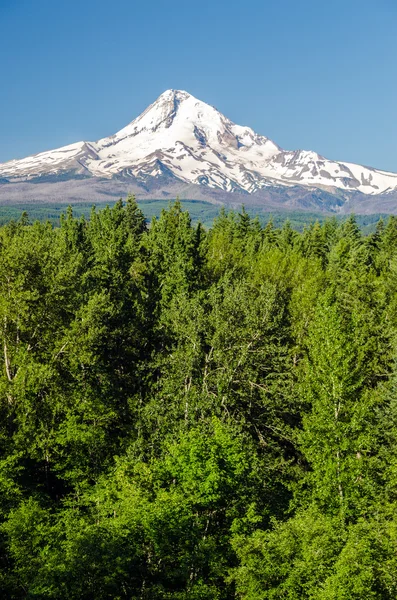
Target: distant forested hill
x,y
192,413
203,212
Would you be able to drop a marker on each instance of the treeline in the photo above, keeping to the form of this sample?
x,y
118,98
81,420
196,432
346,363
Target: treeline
x,y
202,211
189,414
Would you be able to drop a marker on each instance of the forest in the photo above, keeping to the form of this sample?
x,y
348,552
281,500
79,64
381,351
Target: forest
x,y
192,413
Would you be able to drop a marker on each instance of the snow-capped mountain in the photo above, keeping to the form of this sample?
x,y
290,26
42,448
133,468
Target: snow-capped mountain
x,y
181,139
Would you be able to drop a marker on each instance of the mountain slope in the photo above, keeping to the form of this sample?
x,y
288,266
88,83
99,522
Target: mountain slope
x,y
181,140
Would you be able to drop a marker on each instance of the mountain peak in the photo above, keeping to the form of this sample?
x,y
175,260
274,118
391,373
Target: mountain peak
x,y
173,94
159,115
192,142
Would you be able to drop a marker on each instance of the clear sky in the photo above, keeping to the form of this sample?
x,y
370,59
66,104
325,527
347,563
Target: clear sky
x,y
308,74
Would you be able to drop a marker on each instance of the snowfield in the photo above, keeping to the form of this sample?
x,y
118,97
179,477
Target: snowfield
x,y
182,137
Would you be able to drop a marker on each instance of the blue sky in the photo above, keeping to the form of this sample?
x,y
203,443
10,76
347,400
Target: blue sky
x,y
312,75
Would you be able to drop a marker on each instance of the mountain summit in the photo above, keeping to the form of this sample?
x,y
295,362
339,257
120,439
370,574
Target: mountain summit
x,y
180,139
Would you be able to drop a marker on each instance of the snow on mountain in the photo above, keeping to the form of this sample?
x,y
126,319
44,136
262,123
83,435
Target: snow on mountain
x,y
181,137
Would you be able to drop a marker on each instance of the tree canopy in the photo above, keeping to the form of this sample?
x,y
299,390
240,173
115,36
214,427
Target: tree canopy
x,y
197,414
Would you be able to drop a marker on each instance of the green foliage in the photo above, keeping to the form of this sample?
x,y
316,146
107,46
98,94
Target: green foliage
x,y
197,414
